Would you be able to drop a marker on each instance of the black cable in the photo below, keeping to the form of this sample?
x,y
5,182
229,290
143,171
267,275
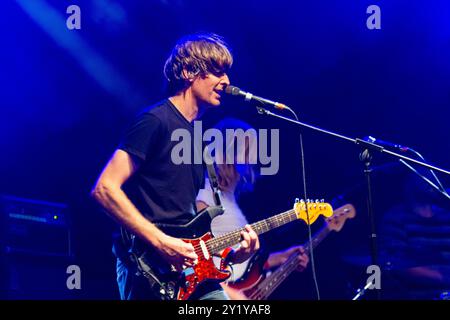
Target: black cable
x,y
311,250
441,187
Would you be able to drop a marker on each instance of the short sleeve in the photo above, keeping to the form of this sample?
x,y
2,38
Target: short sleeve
x,y
141,136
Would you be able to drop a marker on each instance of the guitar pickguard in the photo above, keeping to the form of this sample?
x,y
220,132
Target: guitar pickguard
x,y
204,270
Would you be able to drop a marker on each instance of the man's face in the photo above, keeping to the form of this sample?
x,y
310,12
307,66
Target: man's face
x,y
209,89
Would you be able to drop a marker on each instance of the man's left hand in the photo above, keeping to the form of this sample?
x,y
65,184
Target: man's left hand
x,y
249,245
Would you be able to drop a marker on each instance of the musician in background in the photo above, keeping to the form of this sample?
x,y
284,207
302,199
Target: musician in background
x,y
234,179
415,240
142,185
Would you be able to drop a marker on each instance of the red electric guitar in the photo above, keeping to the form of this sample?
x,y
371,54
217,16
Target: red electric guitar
x,y
181,285
256,285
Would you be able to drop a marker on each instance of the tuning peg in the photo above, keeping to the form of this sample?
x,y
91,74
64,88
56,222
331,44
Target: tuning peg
x,y
297,200
317,200
322,200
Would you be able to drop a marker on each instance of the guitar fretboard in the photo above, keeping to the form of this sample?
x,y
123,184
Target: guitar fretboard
x,y
317,239
216,245
268,285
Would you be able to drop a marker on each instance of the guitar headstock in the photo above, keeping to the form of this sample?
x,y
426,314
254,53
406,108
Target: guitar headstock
x,y
312,209
337,220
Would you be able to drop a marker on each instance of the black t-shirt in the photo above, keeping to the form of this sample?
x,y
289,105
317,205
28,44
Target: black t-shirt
x,y
162,190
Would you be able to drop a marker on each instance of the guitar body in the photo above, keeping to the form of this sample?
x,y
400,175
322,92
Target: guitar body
x,y
253,276
181,285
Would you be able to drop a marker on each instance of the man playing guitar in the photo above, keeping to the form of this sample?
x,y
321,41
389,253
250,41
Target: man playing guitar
x,y
141,185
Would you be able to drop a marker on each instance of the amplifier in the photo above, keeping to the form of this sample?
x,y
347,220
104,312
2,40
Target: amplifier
x,y
34,227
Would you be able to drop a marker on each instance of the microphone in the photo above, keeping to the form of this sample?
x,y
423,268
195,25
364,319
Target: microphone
x,y
386,143
235,91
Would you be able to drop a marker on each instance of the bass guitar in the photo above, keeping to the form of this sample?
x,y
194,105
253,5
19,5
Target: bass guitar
x,y
256,284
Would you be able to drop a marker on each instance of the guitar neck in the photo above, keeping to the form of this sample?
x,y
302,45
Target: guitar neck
x,y
265,288
216,245
316,240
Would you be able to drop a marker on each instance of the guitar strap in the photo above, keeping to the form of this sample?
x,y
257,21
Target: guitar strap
x,y
212,177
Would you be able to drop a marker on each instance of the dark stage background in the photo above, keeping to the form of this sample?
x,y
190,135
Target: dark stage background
x,y
67,95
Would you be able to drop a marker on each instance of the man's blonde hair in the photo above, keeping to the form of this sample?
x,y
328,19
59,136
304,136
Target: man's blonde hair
x,y
196,55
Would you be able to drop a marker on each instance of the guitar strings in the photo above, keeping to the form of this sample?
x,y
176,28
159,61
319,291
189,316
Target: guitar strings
x,y
258,225
264,289
281,218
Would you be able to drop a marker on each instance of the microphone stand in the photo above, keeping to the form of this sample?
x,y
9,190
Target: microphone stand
x,y
366,157
366,144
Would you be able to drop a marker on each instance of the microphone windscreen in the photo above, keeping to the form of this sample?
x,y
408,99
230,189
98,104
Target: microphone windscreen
x,y
232,90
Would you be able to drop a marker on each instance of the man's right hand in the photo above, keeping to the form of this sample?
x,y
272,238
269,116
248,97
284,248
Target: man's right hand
x,y
178,253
